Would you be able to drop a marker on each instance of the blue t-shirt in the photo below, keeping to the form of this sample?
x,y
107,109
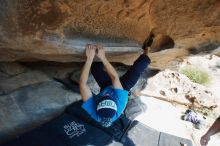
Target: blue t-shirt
x,y
120,96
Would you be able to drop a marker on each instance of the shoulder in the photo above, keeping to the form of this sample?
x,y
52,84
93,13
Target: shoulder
x,y
121,91
88,103
90,107
121,95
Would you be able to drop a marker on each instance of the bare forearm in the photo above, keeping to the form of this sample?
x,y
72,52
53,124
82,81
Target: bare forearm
x,y
85,71
215,128
84,88
110,69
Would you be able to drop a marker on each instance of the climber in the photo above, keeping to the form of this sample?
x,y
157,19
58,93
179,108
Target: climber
x,y
214,129
109,104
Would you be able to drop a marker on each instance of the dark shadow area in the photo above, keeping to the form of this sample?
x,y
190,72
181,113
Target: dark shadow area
x,y
204,48
158,43
150,72
134,107
69,84
142,82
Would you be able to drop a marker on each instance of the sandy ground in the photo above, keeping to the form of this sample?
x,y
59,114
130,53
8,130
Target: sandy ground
x,y
165,117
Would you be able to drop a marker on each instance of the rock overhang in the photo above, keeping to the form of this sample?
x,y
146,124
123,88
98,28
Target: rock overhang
x,y
58,30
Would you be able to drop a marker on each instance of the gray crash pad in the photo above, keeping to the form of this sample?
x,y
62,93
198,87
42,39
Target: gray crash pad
x,y
171,140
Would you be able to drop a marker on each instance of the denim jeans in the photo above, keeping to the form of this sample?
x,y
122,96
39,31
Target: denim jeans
x,y
128,80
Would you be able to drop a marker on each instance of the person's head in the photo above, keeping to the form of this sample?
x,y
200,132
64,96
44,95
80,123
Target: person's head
x,y
106,109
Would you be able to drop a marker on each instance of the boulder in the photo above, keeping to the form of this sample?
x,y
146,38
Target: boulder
x,y
172,85
31,106
24,79
12,68
58,30
29,98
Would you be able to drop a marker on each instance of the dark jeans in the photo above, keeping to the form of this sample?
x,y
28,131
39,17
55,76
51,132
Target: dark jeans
x,y
128,80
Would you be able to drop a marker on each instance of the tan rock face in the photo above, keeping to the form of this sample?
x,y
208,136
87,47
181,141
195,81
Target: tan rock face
x,y
172,85
125,19
183,19
58,30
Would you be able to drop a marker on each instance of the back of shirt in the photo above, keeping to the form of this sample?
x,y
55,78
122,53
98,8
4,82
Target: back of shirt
x,y
120,96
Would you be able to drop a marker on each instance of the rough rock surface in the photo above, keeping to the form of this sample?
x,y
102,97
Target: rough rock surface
x,y
173,85
211,65
29,99
21,80
58,30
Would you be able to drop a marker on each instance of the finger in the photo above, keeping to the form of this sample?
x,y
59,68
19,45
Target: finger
x,y
90,46
96,46
87,45
93,47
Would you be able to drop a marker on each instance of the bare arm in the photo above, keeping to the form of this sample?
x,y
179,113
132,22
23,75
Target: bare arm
x,y
215,128
84,88
109,68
